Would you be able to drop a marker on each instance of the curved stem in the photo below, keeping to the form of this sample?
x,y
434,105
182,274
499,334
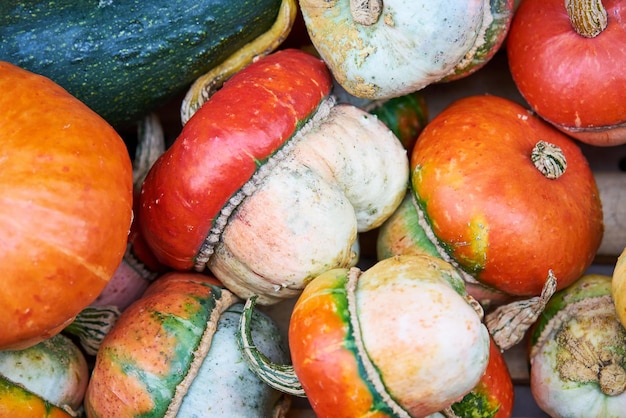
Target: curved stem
x,y
366,12
588,17
281,377
206,85
91,325
508,323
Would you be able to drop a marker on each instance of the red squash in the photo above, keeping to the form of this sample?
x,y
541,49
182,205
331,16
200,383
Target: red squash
x,y
270,181
575,81
66,209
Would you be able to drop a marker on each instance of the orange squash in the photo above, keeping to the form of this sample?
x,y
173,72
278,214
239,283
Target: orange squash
x,y
507,198
66,180
492,211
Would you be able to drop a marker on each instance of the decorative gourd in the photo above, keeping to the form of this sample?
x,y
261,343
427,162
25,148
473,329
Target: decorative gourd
x,y
401,338
125,58
269,182
504,196
174,351
382,49
66,177
566,58
47,380
578,353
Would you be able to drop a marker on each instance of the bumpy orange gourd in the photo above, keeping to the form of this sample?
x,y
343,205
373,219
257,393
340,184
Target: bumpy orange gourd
x,y
66,181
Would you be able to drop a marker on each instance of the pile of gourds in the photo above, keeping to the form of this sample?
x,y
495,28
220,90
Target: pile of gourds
x,y
303,166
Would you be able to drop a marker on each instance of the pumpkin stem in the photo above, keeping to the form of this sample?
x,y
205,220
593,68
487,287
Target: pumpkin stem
x,y
587,333
91,325
366,12
281,377
588,17
206,85
508,323
549,159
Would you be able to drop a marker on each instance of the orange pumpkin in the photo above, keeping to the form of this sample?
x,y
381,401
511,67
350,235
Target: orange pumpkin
x,y
66,209
491,209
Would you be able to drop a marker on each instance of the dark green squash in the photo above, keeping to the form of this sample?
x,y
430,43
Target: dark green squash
x,y
126,58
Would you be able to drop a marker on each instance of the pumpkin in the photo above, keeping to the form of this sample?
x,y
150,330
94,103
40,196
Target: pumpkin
x,y
566,59
618,287
501,194
352,351
577,360
173,351
269,182
46,380
66,178
381,50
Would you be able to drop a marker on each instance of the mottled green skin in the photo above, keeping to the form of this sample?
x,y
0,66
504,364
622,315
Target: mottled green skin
x,y
406,116
149,351
475,405
403,225
125,58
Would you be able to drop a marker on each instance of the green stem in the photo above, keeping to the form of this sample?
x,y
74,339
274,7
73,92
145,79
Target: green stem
x,y
281,377
91,325
588,17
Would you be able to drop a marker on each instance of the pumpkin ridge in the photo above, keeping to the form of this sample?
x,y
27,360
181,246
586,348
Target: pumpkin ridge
x,y
381,399
250,186
441,249
225,301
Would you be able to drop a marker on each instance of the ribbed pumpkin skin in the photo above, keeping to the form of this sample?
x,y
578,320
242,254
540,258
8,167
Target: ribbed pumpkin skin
x,y
492,210
66,180
174,352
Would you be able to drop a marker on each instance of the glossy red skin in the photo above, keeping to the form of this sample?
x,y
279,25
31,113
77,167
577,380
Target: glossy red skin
x,y
66,179
476,177
566,78
252,116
